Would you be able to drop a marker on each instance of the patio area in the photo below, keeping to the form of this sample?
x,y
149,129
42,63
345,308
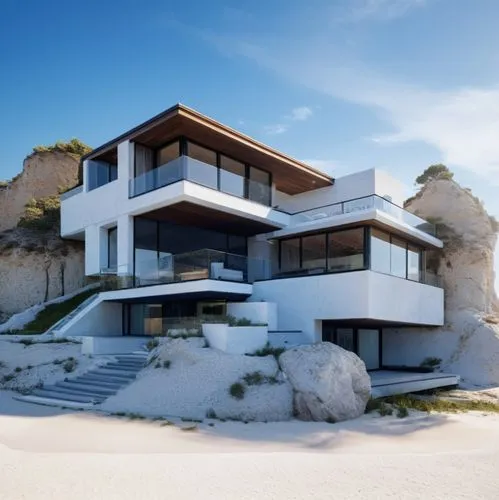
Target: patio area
x,y
388,383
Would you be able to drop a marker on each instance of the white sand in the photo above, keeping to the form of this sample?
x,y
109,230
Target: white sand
x,y
46,453
37,362
198,381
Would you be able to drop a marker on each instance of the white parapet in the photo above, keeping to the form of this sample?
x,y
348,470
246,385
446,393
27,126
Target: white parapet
x,y
235,339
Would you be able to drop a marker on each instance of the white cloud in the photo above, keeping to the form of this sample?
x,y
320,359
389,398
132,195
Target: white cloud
x,y
301,114
461,123
275,129
385,10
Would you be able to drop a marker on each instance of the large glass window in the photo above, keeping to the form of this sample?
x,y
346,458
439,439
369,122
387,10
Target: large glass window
x,y
201,153
413,263
290,255
232,175
259,187
398,258
167,153
112,254
346,250
314,253
380,251
146,251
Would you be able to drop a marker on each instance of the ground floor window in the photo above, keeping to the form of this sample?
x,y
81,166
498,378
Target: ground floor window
x,y
363,341
160,318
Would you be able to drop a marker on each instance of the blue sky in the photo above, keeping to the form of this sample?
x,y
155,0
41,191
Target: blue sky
x,y
345,84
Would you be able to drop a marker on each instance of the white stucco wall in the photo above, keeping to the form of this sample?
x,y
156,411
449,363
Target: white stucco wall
x,y
101,319
257,312
236,340
303,302
348,187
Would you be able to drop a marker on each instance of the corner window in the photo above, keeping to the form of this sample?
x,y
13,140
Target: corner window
x,y
100,173
398,259
259,187
380,251
414,263
232,174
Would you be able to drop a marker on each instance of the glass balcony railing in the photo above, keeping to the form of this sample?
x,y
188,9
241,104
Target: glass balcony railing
x,y
197,265
189,169
362,204
72,192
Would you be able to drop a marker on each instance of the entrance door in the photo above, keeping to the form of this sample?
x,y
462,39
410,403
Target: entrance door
x,y
368,347
365,342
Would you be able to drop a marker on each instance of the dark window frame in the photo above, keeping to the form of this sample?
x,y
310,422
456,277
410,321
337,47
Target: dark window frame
x,y
183,151
366,249
109,168
109,231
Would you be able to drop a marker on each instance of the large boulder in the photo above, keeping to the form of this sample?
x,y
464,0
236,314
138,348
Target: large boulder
x,y
330,383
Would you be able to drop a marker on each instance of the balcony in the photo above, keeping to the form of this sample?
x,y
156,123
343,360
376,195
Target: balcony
x,y
363,204
72,192
185,168
198,265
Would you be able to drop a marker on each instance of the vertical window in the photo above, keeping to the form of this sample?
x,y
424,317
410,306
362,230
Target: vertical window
x,y
167,153
414,263
202,170
398,258
112,254
346,250
143,159
232,174
380,251
314,253
290,255
259,188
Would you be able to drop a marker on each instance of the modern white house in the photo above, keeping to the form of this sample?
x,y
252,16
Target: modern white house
x,y
188,219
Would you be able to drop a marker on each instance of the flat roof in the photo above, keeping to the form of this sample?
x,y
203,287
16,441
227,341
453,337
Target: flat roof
x,y
290,176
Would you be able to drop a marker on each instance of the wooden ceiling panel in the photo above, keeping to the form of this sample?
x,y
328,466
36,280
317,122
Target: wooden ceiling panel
x,y
289,175
191,214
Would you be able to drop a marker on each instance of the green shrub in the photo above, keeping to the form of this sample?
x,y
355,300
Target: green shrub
x,y
237,390
27,342
52,314
167,363
18,369
152,344
402,412
385,410
42,214
268,350
8,378
437,171
74,147
431,362
254,378
70,365
211,413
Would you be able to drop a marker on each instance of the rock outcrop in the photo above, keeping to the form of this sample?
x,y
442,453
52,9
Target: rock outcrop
x,y
329,383
36,265
468,343
43,174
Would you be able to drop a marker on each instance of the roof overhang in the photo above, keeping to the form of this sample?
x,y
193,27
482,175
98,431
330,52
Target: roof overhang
x,y
289,175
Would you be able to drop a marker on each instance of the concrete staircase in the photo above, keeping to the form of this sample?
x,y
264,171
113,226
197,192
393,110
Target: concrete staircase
x,y
94,386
